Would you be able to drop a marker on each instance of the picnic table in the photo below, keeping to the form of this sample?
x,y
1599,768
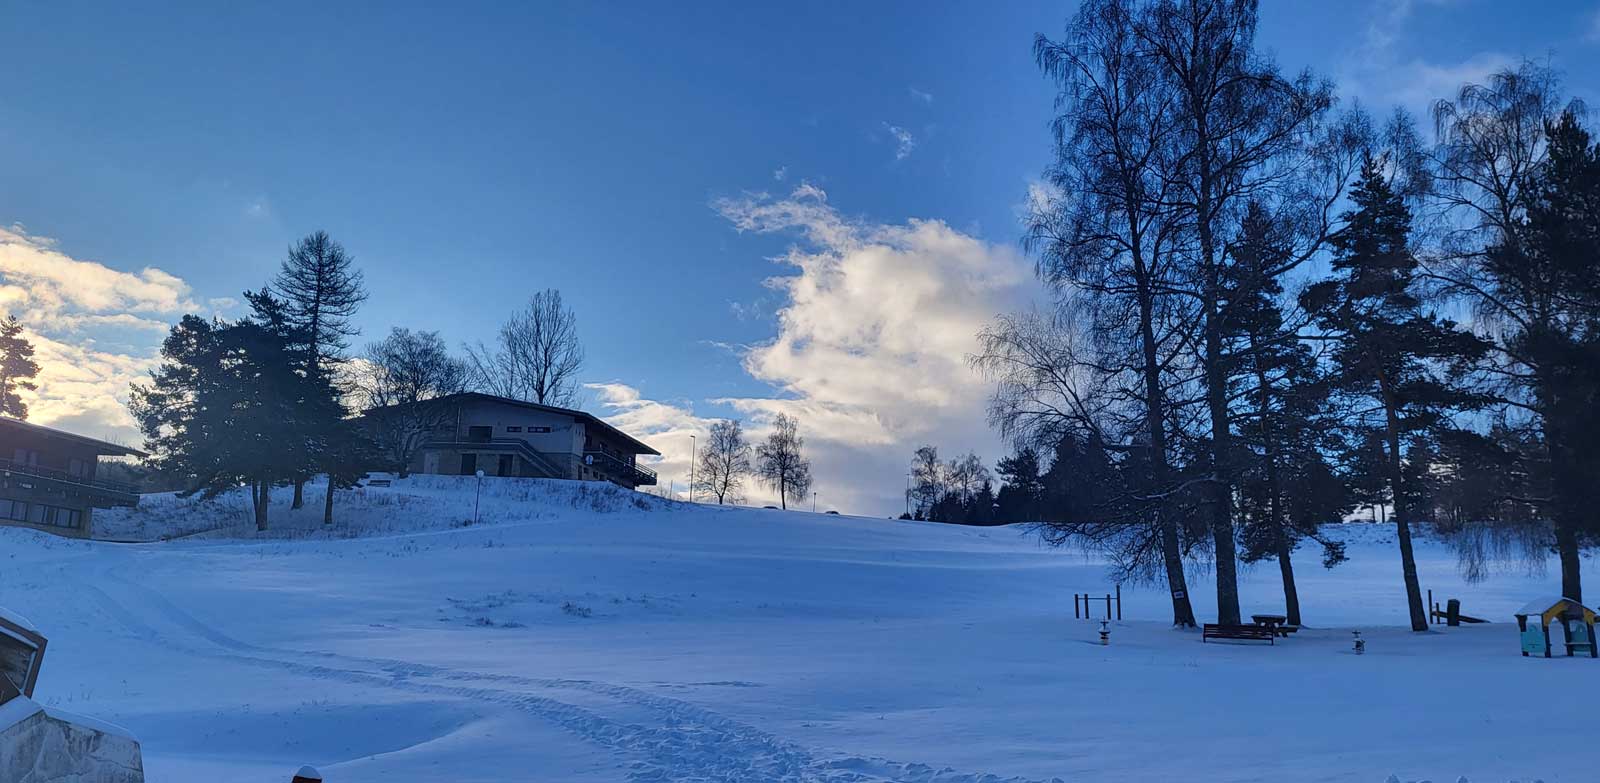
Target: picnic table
x,y
1277,624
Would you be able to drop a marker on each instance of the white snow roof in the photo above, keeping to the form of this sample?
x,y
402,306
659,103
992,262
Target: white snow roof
x,y
1542,605
16,711
18,619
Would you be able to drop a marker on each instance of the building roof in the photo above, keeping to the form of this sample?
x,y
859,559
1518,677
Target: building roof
x,y
588,418
106,448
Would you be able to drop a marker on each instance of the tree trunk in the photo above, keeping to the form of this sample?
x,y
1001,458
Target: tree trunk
x,y
327,503
299,493
1217,401
1269,455
1402,511
1291,596
1565,512
263,499
1571,563
1222,486
1171,546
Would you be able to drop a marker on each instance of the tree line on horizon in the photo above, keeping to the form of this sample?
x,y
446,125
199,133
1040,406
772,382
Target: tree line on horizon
x,y
1268,310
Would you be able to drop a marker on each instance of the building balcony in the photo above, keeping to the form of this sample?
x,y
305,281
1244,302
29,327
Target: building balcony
x,y
629,472
100,493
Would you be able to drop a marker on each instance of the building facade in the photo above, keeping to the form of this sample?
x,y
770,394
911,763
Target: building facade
x,y
49,478
506,437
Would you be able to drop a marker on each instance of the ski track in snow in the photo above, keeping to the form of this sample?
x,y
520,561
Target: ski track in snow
x,y
688,742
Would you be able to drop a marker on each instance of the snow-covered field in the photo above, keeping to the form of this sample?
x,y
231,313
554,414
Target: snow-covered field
x,y
583,633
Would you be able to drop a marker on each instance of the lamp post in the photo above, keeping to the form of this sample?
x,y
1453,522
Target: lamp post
x,y
476,496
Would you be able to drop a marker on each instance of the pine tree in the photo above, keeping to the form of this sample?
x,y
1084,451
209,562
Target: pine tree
x,y
1286,487
17,368
226,407
1389,352
320,291
1019,496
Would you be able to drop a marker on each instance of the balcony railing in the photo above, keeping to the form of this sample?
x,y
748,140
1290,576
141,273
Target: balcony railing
x,y
552,464
111,490
611,463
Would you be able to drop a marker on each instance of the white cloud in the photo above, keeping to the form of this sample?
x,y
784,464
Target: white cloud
x,y
925,97
780,173
904,141
1380,77
873,330
665,426
872,338
42,283
83,380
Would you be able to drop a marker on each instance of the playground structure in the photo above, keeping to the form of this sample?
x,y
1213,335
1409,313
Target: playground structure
x,y
1575,620
1083,600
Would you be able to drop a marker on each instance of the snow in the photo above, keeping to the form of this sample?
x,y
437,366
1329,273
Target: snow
x,y
17,710
1539,606
578,632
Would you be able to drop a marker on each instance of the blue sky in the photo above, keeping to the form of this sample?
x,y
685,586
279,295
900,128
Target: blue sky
x,y
644,158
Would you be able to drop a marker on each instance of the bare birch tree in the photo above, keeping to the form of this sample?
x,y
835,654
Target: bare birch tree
x,y
780,463
724,462
536,356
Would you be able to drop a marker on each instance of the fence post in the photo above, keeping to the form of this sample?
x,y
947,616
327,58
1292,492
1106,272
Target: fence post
x,y
1119,602
1108,606
1431,606
1453,612
1074,606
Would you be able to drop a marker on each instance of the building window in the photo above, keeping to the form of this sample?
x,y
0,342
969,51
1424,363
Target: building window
x,y
75,467
513,429
538,429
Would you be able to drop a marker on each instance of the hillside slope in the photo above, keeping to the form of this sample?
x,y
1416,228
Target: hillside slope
x,y
580,632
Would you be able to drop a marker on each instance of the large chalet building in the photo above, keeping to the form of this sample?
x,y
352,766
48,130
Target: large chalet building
x,y
507,437
48,478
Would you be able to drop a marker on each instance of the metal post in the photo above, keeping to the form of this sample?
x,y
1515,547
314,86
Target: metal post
x,y
1074,606
1108,606
813,502
1431,606
476,496
1119,602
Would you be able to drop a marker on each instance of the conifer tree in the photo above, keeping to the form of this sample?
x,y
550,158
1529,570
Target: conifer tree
x,y
1390,352
227,407
17,368
320,290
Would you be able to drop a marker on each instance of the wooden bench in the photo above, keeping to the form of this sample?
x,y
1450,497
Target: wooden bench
x,y
1254,633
